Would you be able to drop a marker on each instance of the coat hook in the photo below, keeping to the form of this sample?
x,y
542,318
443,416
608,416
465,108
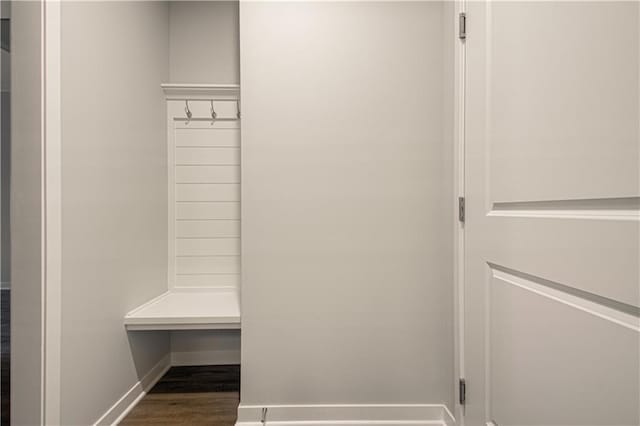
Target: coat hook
x,y
238,108
214,114
187,111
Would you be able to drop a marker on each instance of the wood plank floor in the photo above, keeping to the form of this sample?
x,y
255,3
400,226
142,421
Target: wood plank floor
x,y
195,396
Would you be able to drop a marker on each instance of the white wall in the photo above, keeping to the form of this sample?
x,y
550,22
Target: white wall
x,y
205,347
204,39
346,204
26,261
114,57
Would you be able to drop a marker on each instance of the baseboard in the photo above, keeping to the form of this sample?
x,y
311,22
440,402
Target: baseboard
x,y
215,357
125,404
338,415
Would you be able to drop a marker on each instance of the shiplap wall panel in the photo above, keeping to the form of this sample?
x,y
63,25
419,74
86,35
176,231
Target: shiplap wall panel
x,y
207,246
207,192
201,137
207,156
207,265
207,174
208,229
207,210
208,280
205,197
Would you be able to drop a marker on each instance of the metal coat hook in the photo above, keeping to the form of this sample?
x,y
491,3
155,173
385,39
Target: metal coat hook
x,y
214,114
238,108
187,111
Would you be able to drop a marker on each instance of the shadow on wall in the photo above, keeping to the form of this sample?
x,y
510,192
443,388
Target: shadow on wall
x,y
139,343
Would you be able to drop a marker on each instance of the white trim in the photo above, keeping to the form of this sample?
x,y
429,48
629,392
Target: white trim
x,y
51,213
356,414
617,215
189,326
601,311
171,196
118,411
176,91
43,212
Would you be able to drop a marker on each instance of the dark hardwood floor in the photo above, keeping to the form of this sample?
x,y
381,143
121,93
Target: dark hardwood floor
x,y
195,396
5,356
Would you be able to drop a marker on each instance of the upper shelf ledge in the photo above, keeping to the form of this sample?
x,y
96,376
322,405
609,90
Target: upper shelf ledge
x,y
196,91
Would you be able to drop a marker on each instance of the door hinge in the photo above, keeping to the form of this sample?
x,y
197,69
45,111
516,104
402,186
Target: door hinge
x,y
462,26
462,385
461,209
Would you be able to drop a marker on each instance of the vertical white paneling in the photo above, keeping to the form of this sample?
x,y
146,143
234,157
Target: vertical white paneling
x,y
204,188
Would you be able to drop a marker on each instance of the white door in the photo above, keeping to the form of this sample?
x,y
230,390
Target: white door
x,y
552,229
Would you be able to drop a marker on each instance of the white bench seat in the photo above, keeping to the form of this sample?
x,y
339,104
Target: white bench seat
x,y
188,309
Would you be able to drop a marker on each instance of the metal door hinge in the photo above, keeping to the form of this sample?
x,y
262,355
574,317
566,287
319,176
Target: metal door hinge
x,y
462,26
461,209
462,385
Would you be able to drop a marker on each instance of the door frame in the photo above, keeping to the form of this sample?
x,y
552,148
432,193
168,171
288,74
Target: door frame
x,y
40,361
52,212
459,107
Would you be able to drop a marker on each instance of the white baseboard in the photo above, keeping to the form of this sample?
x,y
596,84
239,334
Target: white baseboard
x,y
214,357
124,405
339,415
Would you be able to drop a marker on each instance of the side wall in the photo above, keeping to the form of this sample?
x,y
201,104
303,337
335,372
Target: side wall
x,y
26,219
347,261
114,57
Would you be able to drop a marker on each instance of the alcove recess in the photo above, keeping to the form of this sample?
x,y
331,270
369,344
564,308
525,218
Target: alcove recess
x,y
203,151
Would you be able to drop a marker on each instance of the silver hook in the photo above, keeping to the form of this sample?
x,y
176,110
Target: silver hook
x,y
238,108
214,114
187,111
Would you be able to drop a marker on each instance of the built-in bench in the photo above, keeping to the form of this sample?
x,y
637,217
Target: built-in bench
x,y
188,309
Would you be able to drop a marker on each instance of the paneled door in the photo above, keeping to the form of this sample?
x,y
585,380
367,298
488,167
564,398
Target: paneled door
x,y
552,203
